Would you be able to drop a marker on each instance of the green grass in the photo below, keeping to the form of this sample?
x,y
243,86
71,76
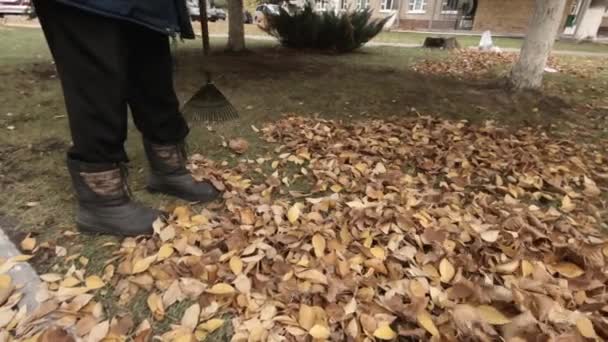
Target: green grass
x,y
418,38
263,85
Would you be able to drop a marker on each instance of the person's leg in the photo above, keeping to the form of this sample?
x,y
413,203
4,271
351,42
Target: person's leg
x,y
156,114
91,58
90,55
151,95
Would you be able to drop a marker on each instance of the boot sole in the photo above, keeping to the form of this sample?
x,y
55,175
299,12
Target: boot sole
x,y
95,230
176,194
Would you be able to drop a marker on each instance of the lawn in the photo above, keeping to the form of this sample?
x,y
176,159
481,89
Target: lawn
x,y
265,84
418,38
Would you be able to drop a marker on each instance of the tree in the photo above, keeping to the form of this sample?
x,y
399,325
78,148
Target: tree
x,y
527,73
236,26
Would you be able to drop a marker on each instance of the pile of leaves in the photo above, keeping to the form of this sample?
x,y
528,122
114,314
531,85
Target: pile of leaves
x,y
470,63
340,32
423,229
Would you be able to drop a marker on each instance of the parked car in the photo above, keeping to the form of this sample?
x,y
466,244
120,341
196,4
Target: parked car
x,y
15,7
264,10
213,14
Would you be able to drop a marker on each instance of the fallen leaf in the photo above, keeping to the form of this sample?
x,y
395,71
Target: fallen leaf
x,y
28,244
568,270
94,283
585,327
293,214
313,275
490,235
99,332
384,332
51,277
426,321
318,243
236,265
211,325
190,317
221,289
306,317
446,270
238,145
492,316
155,304
319,332
142,265
567,204
165,251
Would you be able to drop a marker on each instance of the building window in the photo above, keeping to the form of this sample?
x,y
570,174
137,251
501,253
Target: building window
x,y
388,5
449,7
343,4
321,5
417,6
362,4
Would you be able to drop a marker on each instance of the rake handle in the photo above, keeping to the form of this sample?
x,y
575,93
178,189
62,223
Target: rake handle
x,y
202,5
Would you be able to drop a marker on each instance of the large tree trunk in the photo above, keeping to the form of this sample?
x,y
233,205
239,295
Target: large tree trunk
x,y
236,26
527,73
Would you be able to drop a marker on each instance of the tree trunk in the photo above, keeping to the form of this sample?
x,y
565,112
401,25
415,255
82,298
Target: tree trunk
x,y
236,26
527,73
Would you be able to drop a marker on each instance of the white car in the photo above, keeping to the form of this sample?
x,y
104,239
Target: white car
x,y
15,7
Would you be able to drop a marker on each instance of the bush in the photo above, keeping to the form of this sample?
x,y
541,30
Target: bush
x,y
340,32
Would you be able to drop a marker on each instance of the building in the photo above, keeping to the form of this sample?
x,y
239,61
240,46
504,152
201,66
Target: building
x,y
582,19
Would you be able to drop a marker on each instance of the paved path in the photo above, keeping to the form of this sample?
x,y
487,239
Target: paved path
x,y
22,274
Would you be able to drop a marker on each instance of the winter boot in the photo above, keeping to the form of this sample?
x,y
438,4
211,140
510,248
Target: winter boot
x,y
168,174
104,201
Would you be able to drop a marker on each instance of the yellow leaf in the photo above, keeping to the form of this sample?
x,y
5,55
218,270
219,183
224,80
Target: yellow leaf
x,y
336,188
319,332
430,271
94,283
314,276
568,270
221,289
211,325
51,277
142,265
447,271
199,219
378,252
155,304
526,268
384,332
426,321
191,316
318,242
605,250
294,213
182,213
306,317
585,327
21,258
490,235
492,316
5,281
165,251
69,282
417,289
567,204
28,244
236,265
99,332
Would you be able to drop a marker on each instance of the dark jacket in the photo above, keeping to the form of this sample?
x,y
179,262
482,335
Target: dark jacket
x,y
167,16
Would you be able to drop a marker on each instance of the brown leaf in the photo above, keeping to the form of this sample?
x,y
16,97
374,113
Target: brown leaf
x,y
55,335
238,145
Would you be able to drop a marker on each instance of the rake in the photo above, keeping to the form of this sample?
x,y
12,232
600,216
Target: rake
x,y
208,104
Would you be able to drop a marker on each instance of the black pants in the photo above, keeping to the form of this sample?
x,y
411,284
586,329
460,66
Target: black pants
x,y
106,65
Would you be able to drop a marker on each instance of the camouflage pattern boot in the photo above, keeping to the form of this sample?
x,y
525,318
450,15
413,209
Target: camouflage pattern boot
x,y
104,201
168,174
